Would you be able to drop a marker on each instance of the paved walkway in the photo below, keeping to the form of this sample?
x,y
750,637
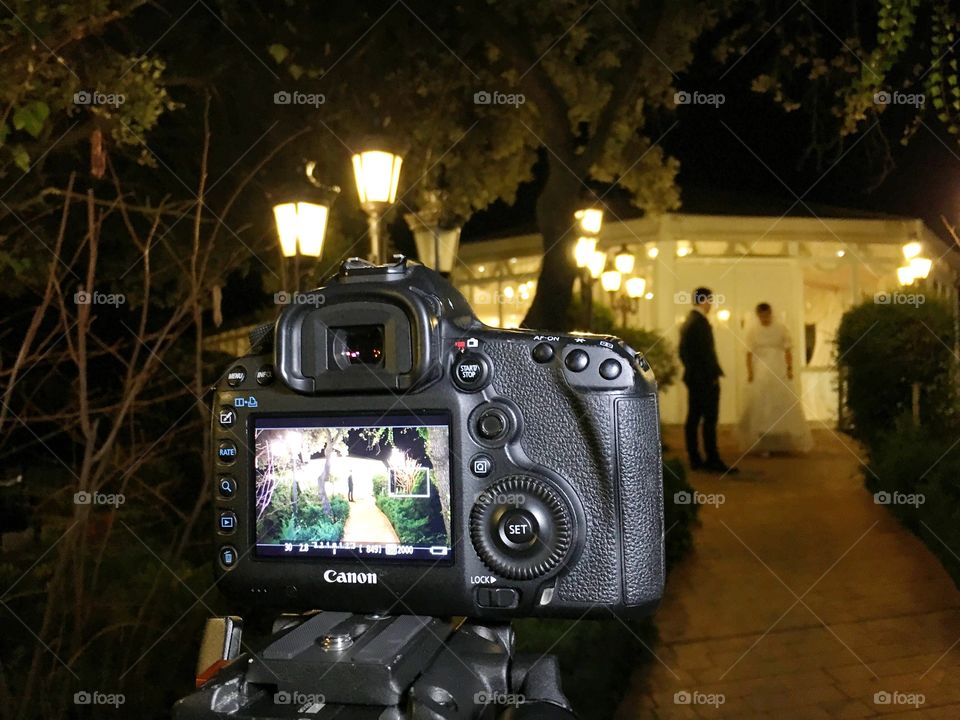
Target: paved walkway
x,y
802,599
367,523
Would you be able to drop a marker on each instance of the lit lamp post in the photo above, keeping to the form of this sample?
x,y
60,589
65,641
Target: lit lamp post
x,y
301,218
626,304
377,172
437,242
917,267
590,260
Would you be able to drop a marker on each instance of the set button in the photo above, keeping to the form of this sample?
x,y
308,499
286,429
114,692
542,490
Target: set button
x,y
518,529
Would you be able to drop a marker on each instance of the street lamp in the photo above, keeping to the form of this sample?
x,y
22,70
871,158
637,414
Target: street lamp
x,y
377,172
590,219
301,217
917,267
624,260
610,281
634,288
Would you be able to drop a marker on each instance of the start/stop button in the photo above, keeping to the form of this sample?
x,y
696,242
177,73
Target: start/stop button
x,y
471,371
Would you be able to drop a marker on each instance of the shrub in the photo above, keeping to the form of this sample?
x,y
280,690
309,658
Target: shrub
x,y
309,523
417,521
911,463
597,657
885,349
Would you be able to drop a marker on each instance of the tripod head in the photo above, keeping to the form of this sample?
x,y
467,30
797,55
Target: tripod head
x,y
368,667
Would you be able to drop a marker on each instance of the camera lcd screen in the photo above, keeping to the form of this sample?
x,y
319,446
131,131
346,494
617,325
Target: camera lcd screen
x,y
371,487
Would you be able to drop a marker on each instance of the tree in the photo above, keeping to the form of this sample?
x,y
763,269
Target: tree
x,y
585,87
850,66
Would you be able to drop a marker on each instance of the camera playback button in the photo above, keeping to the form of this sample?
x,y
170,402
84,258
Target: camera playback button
x,y
227,523
471,371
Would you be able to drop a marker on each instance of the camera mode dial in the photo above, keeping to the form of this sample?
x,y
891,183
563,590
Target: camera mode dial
x,y
521,527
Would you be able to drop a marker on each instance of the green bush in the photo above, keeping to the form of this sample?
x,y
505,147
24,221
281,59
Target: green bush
x,y
417,521
310,522
918,470
597,657
884,349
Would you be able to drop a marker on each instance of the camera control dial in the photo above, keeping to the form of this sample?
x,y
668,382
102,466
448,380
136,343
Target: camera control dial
x,y
521,527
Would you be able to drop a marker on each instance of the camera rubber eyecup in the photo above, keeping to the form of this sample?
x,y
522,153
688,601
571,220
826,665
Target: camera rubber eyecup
x,y
521,527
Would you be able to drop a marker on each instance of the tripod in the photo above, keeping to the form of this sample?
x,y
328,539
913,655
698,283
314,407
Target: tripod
x,y
369,667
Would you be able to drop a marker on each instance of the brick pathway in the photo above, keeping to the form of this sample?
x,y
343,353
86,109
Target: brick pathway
x,y
802,599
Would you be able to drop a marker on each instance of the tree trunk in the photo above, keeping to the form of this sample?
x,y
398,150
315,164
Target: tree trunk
x,y
438,450
555,208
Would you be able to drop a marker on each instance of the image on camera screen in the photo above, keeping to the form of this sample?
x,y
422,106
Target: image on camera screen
x,y
375,487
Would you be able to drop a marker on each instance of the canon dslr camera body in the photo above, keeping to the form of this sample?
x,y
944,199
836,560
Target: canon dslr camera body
x,y
392,454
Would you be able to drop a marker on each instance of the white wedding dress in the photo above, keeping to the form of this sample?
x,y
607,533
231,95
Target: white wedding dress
x,y
772,419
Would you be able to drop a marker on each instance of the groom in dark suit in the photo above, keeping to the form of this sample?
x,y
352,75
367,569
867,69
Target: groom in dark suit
x,y
701,375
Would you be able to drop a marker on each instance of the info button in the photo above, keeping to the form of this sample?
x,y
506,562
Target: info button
x,y
471,371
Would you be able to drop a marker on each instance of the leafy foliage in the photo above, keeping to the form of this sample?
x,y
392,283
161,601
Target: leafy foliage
x,y
417,521
884,349
307,522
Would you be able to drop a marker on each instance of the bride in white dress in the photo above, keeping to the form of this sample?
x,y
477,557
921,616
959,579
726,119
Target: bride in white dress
x,y
772,419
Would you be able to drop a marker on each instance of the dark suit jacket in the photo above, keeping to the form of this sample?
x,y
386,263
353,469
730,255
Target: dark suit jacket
x,y
697,351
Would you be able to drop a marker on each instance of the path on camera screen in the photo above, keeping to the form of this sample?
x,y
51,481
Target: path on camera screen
x,y
878,613
367,524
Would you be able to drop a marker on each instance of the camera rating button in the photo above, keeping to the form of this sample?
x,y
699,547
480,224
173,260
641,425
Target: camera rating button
x,y
227,452
481,465
471,371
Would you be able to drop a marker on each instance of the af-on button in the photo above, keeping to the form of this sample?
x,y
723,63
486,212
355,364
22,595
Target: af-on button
x,y
471,371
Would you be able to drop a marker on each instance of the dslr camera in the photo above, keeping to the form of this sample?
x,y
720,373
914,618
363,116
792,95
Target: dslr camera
x,y
382,451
